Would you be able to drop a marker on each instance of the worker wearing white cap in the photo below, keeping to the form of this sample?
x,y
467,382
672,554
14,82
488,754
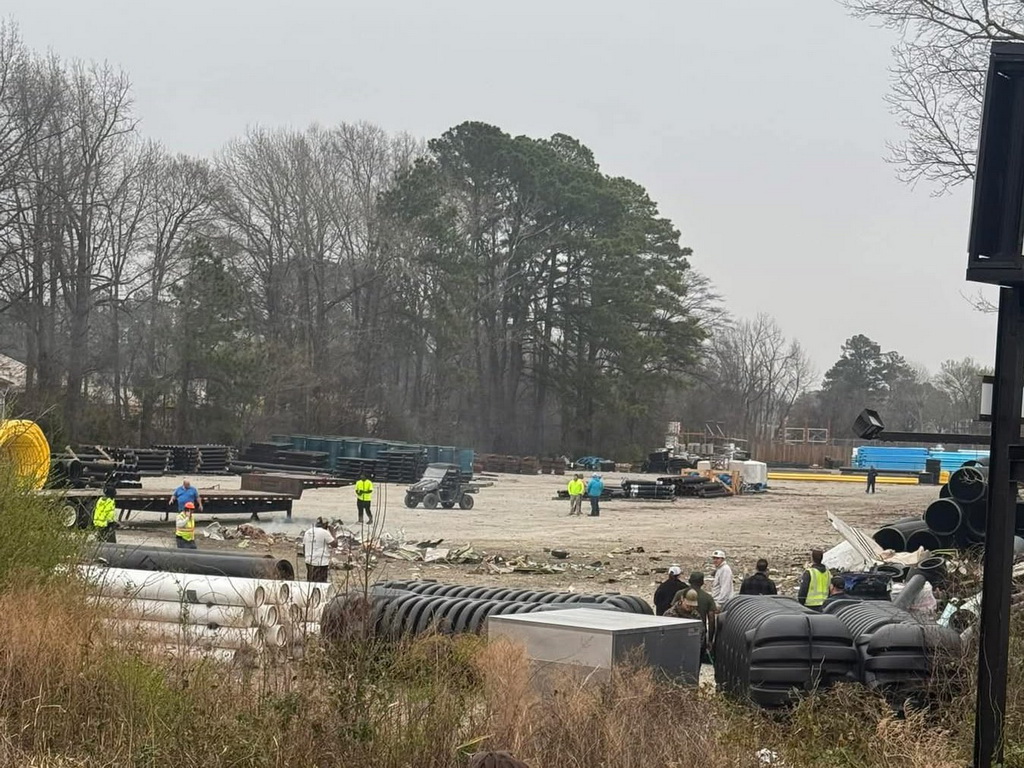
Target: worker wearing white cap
x,y
721,583
666,591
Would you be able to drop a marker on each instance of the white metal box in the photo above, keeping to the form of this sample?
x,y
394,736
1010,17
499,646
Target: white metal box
x,y
598,640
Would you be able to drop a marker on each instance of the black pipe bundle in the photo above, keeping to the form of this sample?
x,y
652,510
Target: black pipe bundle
x,y
395,612
87,468
626,603
767,649
896,535
956,519
195,561
898,655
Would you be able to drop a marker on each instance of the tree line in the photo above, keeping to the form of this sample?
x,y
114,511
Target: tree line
x,y
479,288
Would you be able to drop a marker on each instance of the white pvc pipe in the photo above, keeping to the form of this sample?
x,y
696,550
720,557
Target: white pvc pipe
x,y
180,587
190,634
190,613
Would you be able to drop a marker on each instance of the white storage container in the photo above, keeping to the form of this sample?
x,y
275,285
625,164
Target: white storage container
x,y
598,640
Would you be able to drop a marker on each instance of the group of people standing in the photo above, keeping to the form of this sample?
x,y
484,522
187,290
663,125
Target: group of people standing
x,y
592,489
688,600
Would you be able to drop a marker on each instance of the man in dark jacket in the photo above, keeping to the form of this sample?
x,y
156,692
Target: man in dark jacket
x,y
758,582
666,591
837,592
872,476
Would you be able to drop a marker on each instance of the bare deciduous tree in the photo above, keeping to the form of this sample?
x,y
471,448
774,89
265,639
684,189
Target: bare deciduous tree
x,y
938,78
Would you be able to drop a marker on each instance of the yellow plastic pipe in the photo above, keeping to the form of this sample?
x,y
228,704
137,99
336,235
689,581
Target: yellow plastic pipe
x,y
881,480
23,445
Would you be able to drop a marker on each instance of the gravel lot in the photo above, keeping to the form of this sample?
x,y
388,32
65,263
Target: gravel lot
x,y
519,516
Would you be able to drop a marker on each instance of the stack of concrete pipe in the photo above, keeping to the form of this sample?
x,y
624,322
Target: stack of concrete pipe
x,y
955,520
209,615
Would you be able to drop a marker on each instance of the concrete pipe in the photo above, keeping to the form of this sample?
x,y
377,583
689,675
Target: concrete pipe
x,y
191,634
186,613
176,587
173,651
274,636
193,561
305,593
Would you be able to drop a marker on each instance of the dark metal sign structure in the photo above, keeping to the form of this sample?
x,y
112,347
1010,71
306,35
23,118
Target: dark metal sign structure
x,y
995,257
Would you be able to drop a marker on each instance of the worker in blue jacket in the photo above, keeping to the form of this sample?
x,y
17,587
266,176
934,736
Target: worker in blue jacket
x,y
594,490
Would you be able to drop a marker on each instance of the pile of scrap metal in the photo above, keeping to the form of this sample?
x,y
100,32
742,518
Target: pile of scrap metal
x,y
955,521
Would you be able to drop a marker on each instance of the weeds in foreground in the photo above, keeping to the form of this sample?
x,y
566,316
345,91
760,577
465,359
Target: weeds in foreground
x,y
73,695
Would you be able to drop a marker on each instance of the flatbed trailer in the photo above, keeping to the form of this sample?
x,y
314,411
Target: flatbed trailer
x,y
81,501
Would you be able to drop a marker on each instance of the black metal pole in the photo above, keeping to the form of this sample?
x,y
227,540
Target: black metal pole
x,y
1002,499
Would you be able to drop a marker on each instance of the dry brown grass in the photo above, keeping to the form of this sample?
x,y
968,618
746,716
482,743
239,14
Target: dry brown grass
x,y
69,696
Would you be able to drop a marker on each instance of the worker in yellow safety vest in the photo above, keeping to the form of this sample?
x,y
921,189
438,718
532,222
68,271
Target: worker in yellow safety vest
x,y
185,527
103,516
576,489
814,584
364,495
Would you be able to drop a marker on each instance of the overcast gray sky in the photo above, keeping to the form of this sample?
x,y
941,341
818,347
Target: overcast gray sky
x,y
758,125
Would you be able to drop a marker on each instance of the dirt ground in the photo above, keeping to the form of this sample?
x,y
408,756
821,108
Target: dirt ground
x,y
520,515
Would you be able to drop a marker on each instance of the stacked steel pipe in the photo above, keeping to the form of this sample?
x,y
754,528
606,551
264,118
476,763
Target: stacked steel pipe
x,y
198,459
94,468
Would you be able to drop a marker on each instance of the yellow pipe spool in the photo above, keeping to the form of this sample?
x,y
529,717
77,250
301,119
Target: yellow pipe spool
x,y
23,446
823,478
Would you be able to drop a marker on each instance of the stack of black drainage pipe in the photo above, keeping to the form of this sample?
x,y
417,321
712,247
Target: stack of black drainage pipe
x,y
898,655
955,520
626,603
770,649
401,609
